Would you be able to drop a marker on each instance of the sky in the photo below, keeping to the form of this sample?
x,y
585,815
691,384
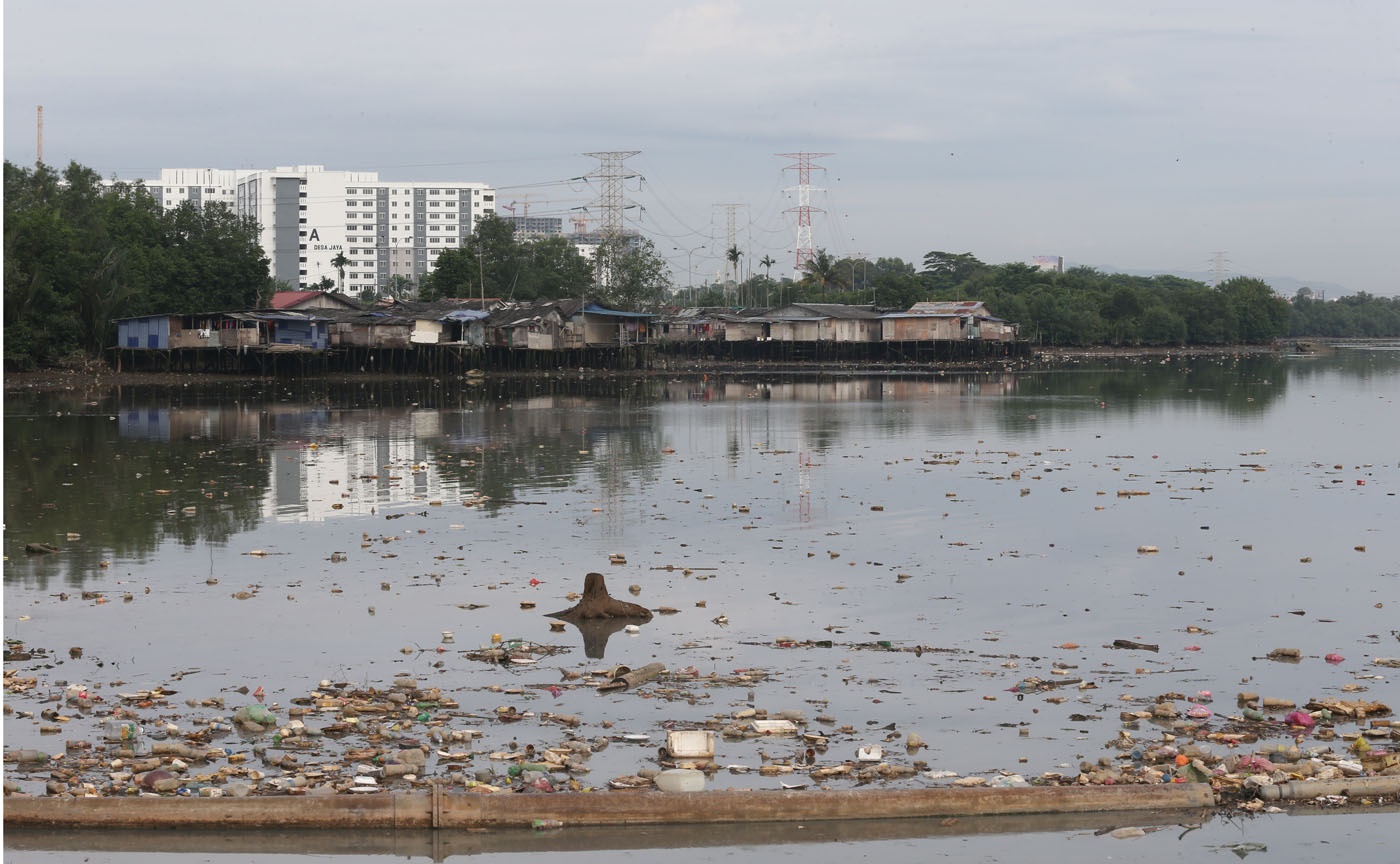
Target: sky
x,y
1122,135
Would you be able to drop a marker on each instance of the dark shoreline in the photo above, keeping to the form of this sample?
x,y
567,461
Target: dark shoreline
x,y
100,375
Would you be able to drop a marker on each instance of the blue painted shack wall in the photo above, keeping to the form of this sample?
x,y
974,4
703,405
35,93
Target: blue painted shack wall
x,y
310,334
152,331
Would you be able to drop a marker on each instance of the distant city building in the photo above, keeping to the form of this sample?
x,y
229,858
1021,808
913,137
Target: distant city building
x,y
1049,263
307,216
535,226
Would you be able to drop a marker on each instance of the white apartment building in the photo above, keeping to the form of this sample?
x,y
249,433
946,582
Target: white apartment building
x,y
199,186
307,216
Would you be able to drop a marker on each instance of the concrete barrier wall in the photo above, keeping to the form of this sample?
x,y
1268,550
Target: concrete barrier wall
x,y
491,811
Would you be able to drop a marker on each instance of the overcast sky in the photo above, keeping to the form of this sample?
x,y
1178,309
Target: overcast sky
x,y
1121,135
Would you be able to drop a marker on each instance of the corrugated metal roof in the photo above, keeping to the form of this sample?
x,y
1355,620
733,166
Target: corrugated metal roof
x,y
949,307
822,310
595,309
464,315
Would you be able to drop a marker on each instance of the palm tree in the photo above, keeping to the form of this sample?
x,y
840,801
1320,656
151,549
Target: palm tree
x,y
340,262
733,254
766,262
822,267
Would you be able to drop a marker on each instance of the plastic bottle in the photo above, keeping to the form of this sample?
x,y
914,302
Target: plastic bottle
x,y
127,733
116,729
520,767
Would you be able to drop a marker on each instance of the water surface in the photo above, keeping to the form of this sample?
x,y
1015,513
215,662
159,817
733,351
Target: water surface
x,y
989,520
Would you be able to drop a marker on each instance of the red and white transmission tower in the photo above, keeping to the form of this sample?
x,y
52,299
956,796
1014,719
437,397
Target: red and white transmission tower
x,y
804,208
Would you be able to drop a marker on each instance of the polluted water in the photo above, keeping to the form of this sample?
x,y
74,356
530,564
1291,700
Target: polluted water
x,y
1148,571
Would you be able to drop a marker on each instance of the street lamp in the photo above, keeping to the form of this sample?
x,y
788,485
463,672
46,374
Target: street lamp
x,y
689,277
689,274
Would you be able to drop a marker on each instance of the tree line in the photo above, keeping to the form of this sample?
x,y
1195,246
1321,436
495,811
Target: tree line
x,y
1358,315
80,253
1077,307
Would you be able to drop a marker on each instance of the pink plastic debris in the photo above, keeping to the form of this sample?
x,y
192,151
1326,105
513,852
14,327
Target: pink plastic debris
x,y
1257,764
1300,718
1334,659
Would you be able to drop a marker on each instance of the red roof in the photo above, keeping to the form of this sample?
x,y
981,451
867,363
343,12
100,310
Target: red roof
x,y
292,299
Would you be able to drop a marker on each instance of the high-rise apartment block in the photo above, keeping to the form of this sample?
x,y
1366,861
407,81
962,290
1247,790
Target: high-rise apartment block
x,y
308,216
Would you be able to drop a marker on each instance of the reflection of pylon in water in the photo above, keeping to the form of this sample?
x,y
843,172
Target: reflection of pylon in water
x,y
804,486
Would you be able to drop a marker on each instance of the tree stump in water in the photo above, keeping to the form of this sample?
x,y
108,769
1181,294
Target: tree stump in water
x,y
598,603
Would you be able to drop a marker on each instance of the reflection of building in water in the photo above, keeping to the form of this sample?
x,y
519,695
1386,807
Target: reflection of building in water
x,y
375,463
316,457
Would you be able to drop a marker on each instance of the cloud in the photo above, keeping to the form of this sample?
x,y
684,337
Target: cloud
x,y
1076,110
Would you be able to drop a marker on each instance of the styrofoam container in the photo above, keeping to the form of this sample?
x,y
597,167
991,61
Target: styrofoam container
x,y
690,744
775,727
871,753
680,780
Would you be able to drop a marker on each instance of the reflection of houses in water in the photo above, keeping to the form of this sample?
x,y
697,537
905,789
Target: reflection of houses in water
x,y
325,462
218,423
152,424
855,389
999,384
